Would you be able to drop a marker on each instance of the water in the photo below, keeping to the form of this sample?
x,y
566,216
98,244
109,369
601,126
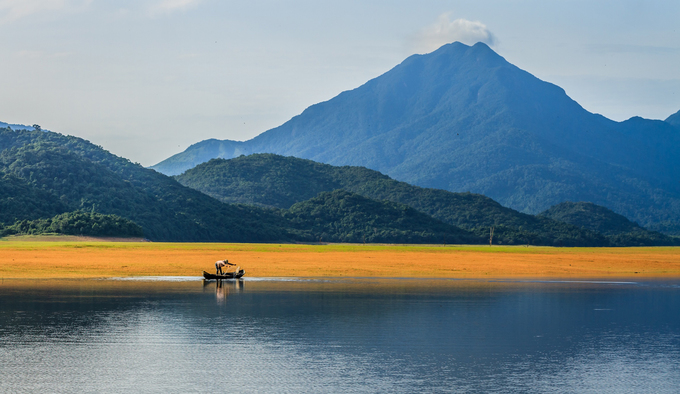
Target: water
x,y
339,336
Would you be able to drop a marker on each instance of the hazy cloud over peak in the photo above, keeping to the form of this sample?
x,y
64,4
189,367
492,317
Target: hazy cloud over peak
x,y
444,31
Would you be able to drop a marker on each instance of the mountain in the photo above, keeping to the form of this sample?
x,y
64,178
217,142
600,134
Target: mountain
x,y
619,230
464,119
341,216
278,181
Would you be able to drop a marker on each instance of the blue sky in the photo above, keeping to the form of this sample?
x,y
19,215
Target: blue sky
x,y
147,78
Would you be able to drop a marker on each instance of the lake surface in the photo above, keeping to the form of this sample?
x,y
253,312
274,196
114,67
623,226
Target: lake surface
x,y
339,336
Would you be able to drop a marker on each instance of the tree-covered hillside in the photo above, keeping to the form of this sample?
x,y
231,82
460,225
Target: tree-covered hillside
x,y
273,180
77,223
341,216
80,175
277,181
617,228
20,201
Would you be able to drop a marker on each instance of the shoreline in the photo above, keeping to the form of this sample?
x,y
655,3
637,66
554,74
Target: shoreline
x,y
99,259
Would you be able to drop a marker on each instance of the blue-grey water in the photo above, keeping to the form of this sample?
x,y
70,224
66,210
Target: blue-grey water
x,y
341,336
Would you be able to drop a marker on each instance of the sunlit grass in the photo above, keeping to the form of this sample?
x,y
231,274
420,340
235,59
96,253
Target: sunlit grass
x,y
22,258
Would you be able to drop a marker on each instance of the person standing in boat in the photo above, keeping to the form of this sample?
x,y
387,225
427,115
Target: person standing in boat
x,y
219,264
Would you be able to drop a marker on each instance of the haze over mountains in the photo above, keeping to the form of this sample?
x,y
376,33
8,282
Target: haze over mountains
x,y
464,119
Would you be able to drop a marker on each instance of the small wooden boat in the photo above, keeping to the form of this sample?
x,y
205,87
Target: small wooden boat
x,y
227,275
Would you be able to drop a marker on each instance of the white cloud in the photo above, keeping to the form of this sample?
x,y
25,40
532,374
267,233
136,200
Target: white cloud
x,y
444,31
167,6
11,10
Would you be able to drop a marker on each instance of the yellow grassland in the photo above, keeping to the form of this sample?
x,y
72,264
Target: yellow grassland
x,y
74,258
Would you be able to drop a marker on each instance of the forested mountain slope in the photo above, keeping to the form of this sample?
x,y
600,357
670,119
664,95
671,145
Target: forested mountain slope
x,y
277,181
619,230
79,175
341,216
20,201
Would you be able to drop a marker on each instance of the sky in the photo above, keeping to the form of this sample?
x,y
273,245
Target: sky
x,y
147,78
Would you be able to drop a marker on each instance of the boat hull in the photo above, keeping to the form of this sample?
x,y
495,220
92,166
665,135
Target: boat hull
x,y
228,275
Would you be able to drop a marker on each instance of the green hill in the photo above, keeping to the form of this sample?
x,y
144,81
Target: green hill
x,y
272,180
277,181
341,216
617,228
82,176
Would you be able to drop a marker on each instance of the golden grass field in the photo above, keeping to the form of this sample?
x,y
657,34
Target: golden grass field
x,y
89,258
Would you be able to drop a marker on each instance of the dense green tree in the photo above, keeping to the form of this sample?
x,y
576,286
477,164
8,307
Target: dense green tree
x,y
78,223
20,201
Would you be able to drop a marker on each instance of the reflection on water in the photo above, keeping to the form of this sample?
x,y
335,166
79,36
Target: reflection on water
x,y
339,336
222,288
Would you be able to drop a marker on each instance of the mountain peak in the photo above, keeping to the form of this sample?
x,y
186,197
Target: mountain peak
x,y
459,52
674,119
459,46
481,47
